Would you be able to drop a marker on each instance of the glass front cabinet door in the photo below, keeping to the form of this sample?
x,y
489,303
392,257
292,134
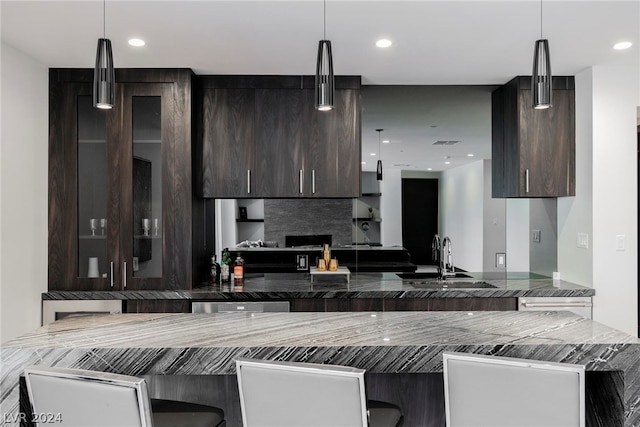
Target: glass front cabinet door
x,y
116,181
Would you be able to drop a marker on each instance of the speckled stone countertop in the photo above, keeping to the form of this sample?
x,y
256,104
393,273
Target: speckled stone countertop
x,y
361,285
381,342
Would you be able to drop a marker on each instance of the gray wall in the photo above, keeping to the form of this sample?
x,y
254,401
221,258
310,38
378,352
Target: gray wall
x,y
308,216
543,255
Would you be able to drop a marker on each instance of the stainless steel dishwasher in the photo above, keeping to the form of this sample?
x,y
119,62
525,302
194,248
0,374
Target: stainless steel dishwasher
x,y
235,307
579,305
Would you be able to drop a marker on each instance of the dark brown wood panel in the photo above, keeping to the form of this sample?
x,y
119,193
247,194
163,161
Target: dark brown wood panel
x,y
228,141
307,304
280,135
174,87
551,157
450,304
157,306
404,304
540,143
285,143
333,149
367,304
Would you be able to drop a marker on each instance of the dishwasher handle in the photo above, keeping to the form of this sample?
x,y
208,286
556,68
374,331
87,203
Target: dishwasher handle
x,y
555,304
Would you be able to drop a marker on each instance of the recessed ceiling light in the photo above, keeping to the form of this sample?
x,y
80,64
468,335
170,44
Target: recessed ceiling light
x,y
622,45
447,163
385,141
136,42
364,163
469,155
383,43
373,154
429,169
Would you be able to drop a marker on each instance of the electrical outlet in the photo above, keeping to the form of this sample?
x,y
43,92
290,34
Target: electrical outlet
x,y
535,236
501,260
302,262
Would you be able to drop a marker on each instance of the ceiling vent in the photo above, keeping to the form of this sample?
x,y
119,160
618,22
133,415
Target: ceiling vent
x,y
446,142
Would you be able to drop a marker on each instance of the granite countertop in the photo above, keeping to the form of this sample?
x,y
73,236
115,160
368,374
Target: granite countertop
x,y
382,329
362,285
380,342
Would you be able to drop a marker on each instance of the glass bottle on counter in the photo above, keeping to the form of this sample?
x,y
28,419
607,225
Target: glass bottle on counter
x,y
214,271
238,269
225,265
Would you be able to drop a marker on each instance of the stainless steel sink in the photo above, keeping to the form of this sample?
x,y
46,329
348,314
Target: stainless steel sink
x,y
450,284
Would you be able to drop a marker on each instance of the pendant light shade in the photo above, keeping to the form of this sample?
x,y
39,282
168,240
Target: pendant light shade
x,y
104,76
324,85
541,76
379,166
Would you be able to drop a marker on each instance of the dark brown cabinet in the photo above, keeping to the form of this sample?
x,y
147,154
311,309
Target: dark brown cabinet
x,y
282,120
404,304
533,151
120,193
226,166
281,148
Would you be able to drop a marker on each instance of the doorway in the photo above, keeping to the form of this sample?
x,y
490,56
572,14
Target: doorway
x,y
419,217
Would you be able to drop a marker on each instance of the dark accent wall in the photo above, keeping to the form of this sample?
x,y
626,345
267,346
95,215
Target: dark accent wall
x,y
308,216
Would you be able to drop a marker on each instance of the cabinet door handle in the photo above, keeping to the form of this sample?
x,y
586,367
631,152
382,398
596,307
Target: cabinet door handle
x,y
556,304
526,180
313,181
248,181
124,274
111,273
301,179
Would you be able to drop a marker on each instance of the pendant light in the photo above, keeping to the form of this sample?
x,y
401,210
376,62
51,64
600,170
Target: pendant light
x,y
379,167
541,77
104,73
324,85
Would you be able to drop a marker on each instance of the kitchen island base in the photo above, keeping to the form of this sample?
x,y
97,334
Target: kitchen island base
x,y
401,351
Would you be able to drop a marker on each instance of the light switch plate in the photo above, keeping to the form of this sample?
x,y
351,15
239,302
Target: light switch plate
x,y
501,260
583,241
535,236
302,262
620,242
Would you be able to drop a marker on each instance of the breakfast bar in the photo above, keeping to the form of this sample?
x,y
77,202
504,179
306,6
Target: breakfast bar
x,y
401,351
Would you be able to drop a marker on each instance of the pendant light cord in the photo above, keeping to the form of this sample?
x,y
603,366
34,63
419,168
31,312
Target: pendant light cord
x,y
324,31
104,19
540,19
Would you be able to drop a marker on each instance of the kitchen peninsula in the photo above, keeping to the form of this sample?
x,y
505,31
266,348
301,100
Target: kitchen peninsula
x,y
400,351
364,292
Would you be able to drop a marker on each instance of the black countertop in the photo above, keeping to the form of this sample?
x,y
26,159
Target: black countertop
x,y
362,285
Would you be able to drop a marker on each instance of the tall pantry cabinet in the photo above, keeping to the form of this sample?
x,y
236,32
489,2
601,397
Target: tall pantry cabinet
x,y
120,192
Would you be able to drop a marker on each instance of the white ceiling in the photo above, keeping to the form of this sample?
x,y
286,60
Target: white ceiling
x,y
435,43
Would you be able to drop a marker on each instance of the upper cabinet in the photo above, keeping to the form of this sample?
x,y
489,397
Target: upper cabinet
x,y
260,136
533,151
120,193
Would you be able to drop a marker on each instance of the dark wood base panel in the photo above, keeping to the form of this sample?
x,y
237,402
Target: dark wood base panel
x,y
157,306
404,304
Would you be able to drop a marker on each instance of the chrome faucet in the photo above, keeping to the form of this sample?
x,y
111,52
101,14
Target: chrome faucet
x,y
445,266
435,249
